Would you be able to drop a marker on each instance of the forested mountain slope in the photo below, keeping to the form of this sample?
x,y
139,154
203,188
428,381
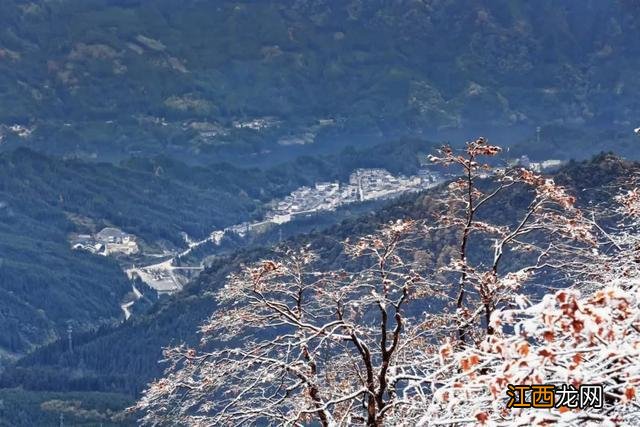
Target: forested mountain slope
x,y
43,282
111,78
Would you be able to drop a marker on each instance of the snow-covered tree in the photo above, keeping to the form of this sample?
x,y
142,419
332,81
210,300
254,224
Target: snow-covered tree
x,y
550,230
294,345
585,334
391,340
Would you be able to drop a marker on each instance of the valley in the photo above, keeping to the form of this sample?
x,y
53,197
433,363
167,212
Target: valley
x,y
363,185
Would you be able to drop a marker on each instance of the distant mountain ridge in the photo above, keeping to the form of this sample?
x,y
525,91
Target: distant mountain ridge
x,y
212,79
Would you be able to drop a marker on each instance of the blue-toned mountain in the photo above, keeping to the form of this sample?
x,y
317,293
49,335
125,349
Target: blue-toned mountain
x,y
223,79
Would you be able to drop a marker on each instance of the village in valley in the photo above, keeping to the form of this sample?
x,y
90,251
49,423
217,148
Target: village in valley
x,y
108,241
363,185
166,277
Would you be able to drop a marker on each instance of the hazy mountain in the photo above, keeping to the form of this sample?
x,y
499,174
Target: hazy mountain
x,y
212,79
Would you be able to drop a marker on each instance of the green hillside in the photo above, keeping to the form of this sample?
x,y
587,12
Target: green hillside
x,y
110,78
43,282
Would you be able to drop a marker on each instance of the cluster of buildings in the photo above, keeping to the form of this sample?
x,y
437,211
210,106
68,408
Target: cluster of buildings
x,y
160,277
363,185
108,241
256,124
551,165
19,130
